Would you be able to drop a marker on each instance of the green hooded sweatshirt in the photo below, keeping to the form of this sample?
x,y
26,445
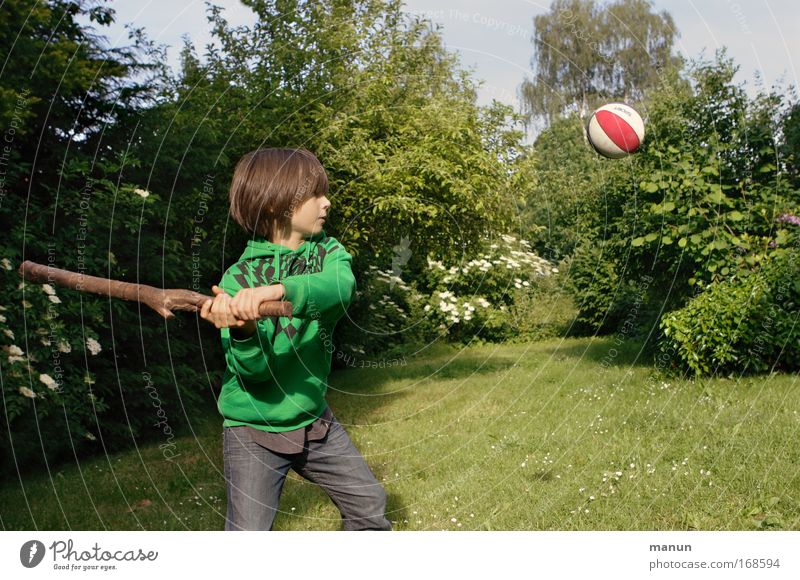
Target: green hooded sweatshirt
x,y
276,379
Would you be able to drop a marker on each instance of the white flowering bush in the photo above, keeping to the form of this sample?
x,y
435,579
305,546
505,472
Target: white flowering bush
x,y
385,313
479,298
72,383
497,295
45,388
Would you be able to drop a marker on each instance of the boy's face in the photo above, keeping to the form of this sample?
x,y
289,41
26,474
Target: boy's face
x,y
308,218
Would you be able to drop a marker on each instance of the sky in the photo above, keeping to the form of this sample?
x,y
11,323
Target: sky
x,y
493,37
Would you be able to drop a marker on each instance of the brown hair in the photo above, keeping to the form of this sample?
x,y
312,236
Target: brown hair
x,y
268,184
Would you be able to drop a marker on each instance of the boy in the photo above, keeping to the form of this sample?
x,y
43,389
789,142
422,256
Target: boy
x,y
273,391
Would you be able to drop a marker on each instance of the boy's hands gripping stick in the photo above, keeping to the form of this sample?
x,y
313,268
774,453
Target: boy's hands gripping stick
x,y
248,305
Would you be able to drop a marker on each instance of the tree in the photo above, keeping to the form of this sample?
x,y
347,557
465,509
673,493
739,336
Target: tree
x,y
373,93
68,104
586,53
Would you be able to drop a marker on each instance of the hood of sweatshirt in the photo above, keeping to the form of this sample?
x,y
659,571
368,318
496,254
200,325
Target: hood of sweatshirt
x,y
260,247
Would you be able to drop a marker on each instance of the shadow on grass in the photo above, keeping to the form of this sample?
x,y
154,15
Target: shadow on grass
x,y
356,394
607,351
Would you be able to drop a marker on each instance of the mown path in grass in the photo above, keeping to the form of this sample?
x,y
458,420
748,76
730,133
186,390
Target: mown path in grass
x,y
538,436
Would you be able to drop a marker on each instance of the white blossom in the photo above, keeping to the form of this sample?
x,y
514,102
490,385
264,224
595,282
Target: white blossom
x,y
141,192
9,333
6,264
2,318
64,346
48,289
93,346
14,350
49,381
27,392
54,299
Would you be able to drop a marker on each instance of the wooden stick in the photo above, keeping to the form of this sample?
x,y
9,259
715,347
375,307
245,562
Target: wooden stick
x,y
161,300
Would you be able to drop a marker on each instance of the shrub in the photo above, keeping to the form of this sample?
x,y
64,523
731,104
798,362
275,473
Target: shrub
x,y
745,324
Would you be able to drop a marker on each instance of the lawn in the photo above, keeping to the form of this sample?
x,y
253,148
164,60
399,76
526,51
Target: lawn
x,y
537,436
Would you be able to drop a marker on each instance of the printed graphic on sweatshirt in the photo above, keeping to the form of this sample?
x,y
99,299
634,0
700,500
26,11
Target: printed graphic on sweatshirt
x,y
262,272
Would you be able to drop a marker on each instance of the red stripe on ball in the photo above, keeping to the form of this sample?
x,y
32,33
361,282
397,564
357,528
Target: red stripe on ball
x,y
618,130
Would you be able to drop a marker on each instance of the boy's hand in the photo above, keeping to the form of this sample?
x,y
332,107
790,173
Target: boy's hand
x,y
218,311
245,304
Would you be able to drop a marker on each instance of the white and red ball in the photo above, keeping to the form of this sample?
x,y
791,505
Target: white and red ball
x,y
615,130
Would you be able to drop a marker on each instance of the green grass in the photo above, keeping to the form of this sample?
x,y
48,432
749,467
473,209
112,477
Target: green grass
x,y
538,436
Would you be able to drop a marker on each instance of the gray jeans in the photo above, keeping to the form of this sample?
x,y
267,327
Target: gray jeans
x,y
255,478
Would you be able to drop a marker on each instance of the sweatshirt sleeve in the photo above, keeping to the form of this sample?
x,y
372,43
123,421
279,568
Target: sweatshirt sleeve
x,y
248,359
326,294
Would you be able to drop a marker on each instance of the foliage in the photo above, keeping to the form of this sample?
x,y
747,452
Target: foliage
x,y
741,325
697,205
73,363
558,181
375,96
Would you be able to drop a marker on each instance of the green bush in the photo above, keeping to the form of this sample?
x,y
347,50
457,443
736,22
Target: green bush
x,y
746,324
697,205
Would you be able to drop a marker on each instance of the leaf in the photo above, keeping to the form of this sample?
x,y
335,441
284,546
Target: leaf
x,y
736,216
666,240
716,195
637,242
650,237
682,243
